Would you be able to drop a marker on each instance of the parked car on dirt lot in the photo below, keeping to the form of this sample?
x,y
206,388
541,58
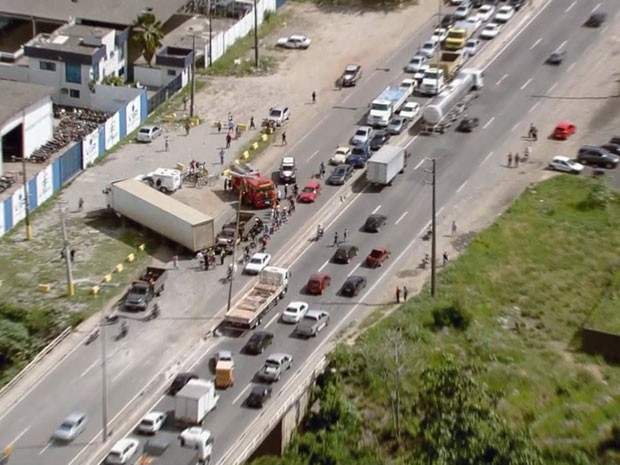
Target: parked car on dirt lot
x,y
350,76
566,165
294,41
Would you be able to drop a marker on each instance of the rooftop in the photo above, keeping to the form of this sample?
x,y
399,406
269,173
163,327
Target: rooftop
x,y
17,96
117,11
76,39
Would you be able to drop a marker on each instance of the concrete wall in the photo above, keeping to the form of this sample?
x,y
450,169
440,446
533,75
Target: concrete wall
x,y
148,76
38,125
110,98
14,73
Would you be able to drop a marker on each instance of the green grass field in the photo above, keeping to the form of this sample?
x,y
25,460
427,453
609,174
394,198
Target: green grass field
x,y
528,283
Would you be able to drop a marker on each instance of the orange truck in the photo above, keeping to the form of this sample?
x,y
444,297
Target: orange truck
x,y
258,191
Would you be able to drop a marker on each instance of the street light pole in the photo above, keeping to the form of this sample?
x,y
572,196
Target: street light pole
x,y
26,201
234,256
434,236
256,63
104,374
193,83
210,34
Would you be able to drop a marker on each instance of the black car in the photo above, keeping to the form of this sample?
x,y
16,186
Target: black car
x,y
556,57
516,4
345,253
259,341
350,76
447,21
614,140
596,19
180,381
612,148
374,222
379,140
352,286
258,396
340,175
468,124
476,3
597,156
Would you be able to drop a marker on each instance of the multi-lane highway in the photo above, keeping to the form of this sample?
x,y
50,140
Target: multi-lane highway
x,y
507,104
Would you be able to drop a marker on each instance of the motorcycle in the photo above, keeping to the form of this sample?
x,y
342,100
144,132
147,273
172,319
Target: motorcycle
x,y
94,334
155,312
319,233
123,331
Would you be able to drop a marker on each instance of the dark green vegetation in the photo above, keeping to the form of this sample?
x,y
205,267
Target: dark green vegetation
x,y
489,372
148,35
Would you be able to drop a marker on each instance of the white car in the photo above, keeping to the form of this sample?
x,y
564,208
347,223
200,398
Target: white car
x,y
224,356
419,74
416,63
362,135
472,46
565,165
122,452
410,110
457,2
475,21
490,31
340,155
485,12
257,263
148,133
294,312
462,11
294,41
439,35
504,14
152,422
409,84
192,436
429,48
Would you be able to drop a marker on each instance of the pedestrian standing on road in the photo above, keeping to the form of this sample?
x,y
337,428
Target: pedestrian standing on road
x,y
336,239
222,155
345,234
219,126
284,138
231,125
201,259
397,294
167,144
206,262
295,189
188,127
517,159
405,293
175,262
222,256
228,140
279,195
80,204
252,125
509,160
230,117
445,258
286,191
184,102
313,97
72,256
454,228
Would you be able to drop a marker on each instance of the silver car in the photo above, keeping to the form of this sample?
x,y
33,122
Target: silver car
x,y
362,135
148,133
71,427
275,366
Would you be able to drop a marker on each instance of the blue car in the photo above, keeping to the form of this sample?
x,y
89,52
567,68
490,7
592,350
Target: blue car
x,y
359,156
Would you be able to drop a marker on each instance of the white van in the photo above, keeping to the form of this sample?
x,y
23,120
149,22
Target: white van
x,y
164,179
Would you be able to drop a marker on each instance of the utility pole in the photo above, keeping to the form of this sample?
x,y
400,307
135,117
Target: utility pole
x,y
234,256
434,236
256,63
66,253
210,34
104,374
193,83
26,201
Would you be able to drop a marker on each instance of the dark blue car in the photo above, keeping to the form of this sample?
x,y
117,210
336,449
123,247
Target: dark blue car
x,y
359,156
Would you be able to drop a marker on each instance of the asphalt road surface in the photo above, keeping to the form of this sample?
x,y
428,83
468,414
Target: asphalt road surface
x,y
514,83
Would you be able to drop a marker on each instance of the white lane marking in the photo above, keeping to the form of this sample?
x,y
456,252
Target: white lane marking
x,y
596,7
514,127
346,98
401,217
562,45
501,79
310,132
47,446
90,367
19,436
527,83
275,317
604,30
323,266
312,156
121,373
533,107
516,35
571,66
354,269
419,164
489,122
246,389
462,186
376,209
440,210
571,6
536,43
552,87
486,158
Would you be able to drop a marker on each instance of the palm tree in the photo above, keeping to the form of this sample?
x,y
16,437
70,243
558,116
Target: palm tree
x,y
149,34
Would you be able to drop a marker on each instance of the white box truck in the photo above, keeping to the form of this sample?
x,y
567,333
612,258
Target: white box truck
x,y
166,216
195,401
248,312
384,165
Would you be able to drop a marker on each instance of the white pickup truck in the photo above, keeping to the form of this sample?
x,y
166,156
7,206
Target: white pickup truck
x,y
248,312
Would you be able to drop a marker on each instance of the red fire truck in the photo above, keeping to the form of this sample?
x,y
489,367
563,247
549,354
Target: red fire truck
x,y
258,191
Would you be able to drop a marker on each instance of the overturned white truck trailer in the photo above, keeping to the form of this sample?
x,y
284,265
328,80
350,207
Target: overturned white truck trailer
x,y
437,114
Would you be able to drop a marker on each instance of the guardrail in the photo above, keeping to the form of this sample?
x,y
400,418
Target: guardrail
x,y
46,350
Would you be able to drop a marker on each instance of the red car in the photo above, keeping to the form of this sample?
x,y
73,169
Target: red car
x,y
317,283
376,257
310,192
564,130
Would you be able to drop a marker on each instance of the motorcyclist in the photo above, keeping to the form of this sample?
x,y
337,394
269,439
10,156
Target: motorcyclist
x,y
319,231
321,170
124,327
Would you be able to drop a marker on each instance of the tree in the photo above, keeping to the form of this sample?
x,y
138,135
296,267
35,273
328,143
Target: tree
x,y
148,35
459,425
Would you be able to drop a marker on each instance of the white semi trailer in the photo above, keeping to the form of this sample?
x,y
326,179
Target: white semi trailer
x,y
161,213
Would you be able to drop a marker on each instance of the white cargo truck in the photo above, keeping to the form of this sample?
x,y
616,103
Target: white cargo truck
x,y
162,214
194,401
248,312
386,105
436,113
384,165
